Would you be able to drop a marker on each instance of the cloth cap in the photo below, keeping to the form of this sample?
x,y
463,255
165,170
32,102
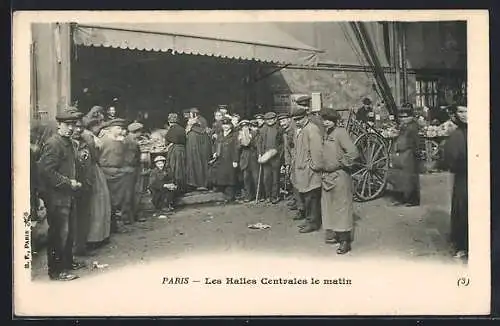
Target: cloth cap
x,y
329,114
160,158
70,114
282,116
135,126
244,123
118,122
259,116
254,123
304,100
269,115
299,113
194,110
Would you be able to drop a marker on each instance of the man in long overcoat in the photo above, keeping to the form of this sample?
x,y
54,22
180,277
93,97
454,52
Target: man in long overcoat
x,y
226,160
455,157
57,168
404,174
112,160
307,169
339,154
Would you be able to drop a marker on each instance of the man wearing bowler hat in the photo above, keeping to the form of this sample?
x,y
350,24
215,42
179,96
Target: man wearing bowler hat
x,y
57,167
270,138
307,169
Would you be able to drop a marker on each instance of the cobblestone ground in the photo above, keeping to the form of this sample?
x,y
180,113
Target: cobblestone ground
x,y
417,233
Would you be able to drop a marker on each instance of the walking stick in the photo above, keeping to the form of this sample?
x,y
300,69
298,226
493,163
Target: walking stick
x,y
258,185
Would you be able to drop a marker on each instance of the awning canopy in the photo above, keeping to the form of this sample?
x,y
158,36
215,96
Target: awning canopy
x,y
262,42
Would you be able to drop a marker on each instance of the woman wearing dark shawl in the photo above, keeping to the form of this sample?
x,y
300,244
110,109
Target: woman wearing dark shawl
x,y
198,151
455,159
176,151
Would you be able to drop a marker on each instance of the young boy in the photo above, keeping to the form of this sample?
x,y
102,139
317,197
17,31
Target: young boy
x,y
161,185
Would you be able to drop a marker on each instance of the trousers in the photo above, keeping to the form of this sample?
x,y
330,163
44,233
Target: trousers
x,y
312,207
61,220
271,178
82,224
162,198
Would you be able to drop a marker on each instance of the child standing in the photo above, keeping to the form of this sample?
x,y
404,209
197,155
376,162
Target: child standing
x,y
162,185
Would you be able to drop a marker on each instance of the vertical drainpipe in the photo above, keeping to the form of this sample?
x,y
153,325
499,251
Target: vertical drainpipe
x,y
63,62
403,62
396,63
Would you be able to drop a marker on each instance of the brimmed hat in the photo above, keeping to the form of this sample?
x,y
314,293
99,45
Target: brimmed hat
x,y
282,116
243,123
304,100
71,114
160,158
329,114
298,113
135,126
269,115
118,122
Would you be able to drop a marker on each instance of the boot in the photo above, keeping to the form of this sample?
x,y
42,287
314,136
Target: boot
x,y
344,247
308,229
330,237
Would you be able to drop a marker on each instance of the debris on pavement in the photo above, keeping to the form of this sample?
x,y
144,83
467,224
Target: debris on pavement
x,y
259,226
96,265
162,216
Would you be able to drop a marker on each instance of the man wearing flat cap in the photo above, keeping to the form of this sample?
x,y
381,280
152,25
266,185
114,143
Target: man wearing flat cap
x,y
286,154
271,138
226,159
57,168
314,117
307,169
113,162
248,159
133,165
365,112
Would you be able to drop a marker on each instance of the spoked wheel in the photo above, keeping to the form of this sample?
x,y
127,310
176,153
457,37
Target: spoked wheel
x,y
370,171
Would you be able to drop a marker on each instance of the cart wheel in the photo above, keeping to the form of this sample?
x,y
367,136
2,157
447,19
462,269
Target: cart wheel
x,y
370,171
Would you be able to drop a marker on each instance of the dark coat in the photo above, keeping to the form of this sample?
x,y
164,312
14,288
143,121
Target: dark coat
x,y
176,134
455,159
405,172
227,150
198,151
57,167
270,137
248,154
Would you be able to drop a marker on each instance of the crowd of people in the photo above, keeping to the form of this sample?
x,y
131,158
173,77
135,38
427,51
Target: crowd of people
x,y
90,173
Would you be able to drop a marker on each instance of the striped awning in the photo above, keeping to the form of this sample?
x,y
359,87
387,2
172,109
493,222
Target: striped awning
x,y
263,42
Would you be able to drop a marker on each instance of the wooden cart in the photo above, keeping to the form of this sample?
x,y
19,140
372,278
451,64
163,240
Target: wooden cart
x,y
370,171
